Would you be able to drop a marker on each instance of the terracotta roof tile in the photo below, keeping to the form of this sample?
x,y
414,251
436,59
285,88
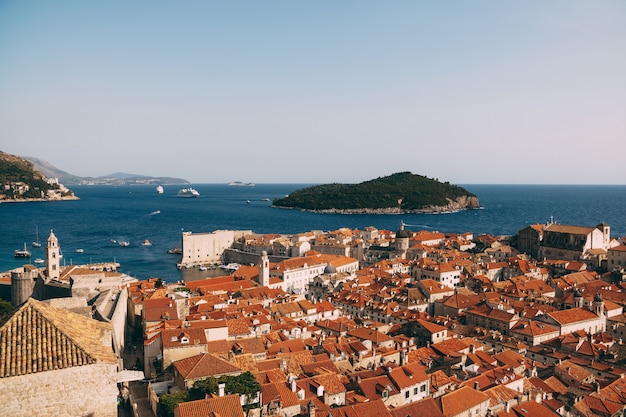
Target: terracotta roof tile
x,y
371,408
226,406
37,337
203,366
461,400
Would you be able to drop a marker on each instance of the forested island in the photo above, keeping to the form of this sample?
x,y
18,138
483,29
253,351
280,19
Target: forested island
x,y
403,192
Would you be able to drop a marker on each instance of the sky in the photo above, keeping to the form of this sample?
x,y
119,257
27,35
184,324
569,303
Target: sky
x,y
470,92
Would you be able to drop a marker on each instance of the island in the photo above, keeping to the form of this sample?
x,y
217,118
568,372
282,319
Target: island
x,y
402,192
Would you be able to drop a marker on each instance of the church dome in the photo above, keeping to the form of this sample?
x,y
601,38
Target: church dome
x,y
330,269
402,234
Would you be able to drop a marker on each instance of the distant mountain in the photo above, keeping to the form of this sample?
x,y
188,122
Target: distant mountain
x,y
117,178
402,192
51,171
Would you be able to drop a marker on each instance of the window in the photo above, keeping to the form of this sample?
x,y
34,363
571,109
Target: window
x,y
423,388
415,391
407,394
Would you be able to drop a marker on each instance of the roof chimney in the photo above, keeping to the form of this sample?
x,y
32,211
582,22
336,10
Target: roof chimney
x,y
221,388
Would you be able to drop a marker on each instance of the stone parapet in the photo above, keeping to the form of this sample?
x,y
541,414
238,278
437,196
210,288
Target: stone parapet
x,y
89,390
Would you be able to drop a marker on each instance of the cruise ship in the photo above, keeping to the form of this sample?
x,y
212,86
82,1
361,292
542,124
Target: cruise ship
x,y
188,192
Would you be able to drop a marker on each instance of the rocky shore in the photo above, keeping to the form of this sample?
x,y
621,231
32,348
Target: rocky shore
x,y
33,200
460,203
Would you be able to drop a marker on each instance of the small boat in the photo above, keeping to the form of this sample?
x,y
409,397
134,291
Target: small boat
x,y
124,243
203,268
248,202
188,192
113,241
22,253
159,189
175,251
36,243
146,243
80,250
266,199
39,261
232,266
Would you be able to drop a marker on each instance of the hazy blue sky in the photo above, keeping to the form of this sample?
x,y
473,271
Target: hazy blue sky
x,y
318,91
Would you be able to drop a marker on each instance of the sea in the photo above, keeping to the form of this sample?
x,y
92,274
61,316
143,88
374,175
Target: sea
x,y
90,229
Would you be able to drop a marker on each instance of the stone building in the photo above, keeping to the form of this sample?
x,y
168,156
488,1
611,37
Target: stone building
x,y
66,354
206,248
567,242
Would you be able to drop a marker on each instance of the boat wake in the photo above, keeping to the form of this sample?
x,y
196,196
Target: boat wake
x,y
419,225
155,212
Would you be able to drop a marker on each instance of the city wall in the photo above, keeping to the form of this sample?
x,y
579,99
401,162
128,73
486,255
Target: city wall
x,y
247,258
79,391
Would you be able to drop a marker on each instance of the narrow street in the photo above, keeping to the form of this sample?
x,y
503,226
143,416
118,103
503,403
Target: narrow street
x,y
139,405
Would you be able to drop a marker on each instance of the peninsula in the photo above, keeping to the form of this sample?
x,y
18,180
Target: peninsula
x,y
401,192
21,182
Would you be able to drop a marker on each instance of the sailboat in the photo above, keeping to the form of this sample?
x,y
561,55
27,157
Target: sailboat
x,y
36,243
22,253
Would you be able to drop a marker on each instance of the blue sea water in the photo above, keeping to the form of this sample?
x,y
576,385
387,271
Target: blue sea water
x,y
136,213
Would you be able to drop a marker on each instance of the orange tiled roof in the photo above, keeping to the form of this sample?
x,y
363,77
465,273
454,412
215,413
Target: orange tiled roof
x,y
172,338
408,375
461,400
37,337
330,381
204,365
278,392
228,405
423,408
371,408
573,315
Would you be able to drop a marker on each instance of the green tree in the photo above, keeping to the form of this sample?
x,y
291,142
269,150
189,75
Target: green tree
x,y
243,384
5,307
168,402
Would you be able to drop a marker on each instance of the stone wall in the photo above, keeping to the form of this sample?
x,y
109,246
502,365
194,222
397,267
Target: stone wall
x,y
79,391
247,258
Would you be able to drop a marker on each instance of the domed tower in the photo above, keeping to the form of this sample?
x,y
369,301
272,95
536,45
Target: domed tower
x,y
598,305
402,239
578,298
264,270
53,259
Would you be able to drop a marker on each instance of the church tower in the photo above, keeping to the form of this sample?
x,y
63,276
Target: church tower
x,y
402,240
606,235
53,258
598,305
264,270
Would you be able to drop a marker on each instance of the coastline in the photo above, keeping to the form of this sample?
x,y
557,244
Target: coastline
x,y
38,200
461,203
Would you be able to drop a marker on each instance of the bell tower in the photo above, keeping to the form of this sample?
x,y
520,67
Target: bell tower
x,y
53,266
264,270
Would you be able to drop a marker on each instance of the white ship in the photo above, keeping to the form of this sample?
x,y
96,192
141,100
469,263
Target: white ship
x,y
159,189
188,192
